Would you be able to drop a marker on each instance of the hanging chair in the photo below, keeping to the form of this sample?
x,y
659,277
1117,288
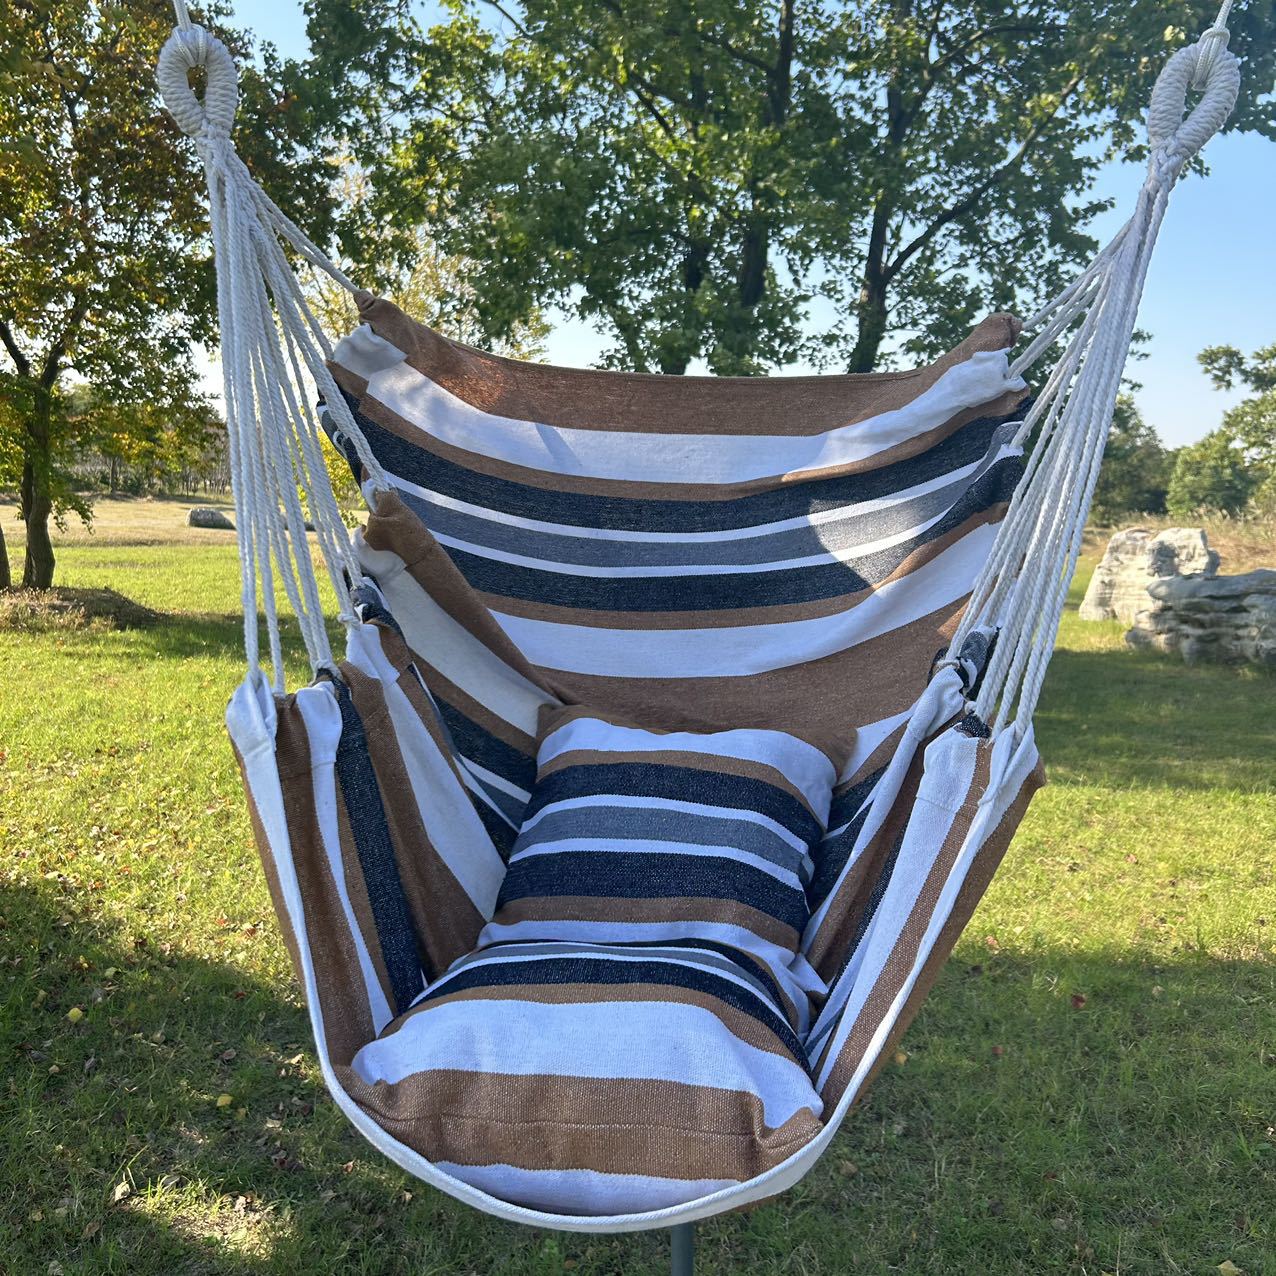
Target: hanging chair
x,y
683,721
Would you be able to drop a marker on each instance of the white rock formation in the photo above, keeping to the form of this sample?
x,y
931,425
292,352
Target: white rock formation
x,y
1229,618
1134,559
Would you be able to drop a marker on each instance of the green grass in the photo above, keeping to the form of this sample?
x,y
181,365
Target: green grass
x,y
1025,1132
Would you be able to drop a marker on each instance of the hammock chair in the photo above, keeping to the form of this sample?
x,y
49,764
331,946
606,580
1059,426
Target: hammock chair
x,y
682,723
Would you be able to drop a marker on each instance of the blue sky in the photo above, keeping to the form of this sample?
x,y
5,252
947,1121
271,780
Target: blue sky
x,y
1211,282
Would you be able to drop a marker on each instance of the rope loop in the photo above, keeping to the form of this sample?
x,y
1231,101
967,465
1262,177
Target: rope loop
x,y
214,117
1177,134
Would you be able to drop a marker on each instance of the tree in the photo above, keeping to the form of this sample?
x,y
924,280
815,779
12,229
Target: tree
x,y
1251,424
104,269
1136,468
693,177
1210,475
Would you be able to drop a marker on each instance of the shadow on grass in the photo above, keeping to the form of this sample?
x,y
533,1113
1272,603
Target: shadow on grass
x,y
1138,1121
1123,719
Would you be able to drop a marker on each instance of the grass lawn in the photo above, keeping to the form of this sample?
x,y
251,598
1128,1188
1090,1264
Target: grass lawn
x,y
1091,1087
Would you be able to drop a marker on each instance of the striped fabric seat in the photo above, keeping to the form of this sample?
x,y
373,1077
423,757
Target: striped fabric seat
x,y
594,1078
771,559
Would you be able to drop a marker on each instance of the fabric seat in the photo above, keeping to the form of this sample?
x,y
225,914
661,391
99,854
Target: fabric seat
x,y
782,558
592,1078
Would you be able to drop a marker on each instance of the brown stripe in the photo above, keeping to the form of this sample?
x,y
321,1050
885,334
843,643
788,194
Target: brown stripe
x,y
647,490
902,958
984,865
475,710
611,1125
732,617
444,920
646,912
827,947
823,702
343,1000
589,399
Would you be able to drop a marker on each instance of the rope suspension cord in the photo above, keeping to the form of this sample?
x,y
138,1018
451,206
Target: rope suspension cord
x,y
272,345
1023,586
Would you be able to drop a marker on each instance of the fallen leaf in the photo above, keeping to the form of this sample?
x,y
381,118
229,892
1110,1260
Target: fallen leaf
x,y
121,1191
848,1169
1078,1000
901,1057
1157,990
92,1229
998,1051
1229,1268
224,1100
75,1014
227,1055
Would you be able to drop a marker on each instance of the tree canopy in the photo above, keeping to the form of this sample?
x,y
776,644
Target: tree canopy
x,y
105,276
706,181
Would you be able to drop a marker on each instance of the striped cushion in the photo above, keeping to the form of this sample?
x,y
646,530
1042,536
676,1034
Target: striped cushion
x,y
640,835
593,1078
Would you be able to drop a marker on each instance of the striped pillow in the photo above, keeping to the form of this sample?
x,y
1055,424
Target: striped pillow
x,y
594,1078
628,1033
633,835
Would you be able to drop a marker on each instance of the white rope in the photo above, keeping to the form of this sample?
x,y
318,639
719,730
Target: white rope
x,y
272,349
1023,587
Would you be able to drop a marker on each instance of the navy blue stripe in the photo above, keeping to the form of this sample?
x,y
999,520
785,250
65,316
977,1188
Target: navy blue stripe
x,y
676,783
651,875
559,970
479,745
759,970
832,853
390,915
695,591
418,466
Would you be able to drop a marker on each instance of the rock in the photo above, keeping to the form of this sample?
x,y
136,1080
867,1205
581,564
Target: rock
x,y
1229,618
206,516
1133,559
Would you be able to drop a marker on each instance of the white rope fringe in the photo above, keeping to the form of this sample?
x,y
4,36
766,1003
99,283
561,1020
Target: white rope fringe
x,y
1023,587
272,349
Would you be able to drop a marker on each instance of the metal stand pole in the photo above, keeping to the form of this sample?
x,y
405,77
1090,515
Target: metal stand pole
x,y
683,1240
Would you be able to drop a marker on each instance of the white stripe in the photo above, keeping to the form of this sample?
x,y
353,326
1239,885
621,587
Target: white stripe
x,y
669,458
582,1191
607,800
322,718
632,1040
451,822
646,846
449,647
735,652
868,737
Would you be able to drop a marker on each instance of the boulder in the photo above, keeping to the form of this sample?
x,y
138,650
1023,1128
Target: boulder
x,y
206,516
1134,559
1228,618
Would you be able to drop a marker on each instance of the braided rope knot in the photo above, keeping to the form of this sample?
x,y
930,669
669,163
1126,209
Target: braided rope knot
x,y
211,120
1177,134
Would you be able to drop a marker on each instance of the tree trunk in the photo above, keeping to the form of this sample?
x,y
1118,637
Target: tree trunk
x,y
872,314
6,578
37,501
